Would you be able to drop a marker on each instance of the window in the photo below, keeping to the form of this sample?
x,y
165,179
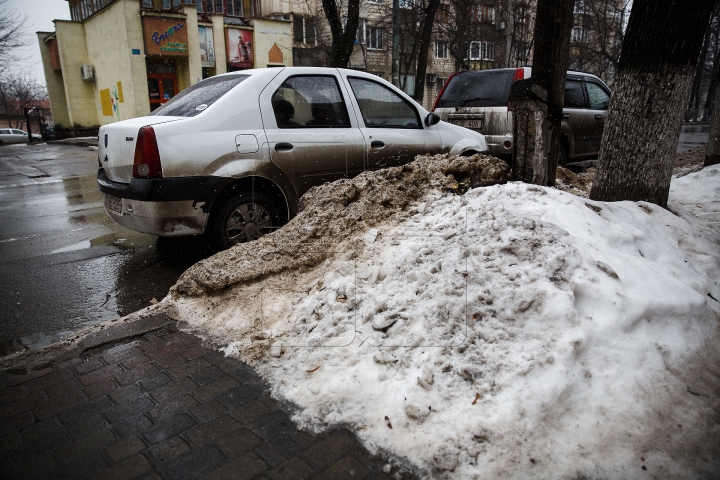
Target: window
x,y
304,30
312,101
439,84
75,12
374,38
235,7
407,83
522,52
578,35
381,107
407,3
574,95
378,2
579,7
441,49
482,51
219,6
146,3
597,97
194,100
443,14
482,13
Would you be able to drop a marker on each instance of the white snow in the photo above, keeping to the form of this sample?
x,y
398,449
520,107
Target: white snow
x,y
513,332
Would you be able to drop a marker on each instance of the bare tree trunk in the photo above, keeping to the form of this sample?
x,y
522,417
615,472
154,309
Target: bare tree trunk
x,y
662,44
342,41
425,40
542,128
712,154
707,109
694,103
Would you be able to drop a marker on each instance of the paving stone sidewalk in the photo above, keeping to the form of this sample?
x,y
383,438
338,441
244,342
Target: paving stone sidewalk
x,y
163,407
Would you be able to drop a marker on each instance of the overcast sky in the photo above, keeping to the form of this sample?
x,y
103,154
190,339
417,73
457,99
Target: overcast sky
x,y
40,14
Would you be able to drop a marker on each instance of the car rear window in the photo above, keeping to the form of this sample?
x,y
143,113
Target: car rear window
x,y
194,100
478,89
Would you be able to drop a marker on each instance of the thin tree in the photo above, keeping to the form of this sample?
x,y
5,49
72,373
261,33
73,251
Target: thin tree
x,y
12,34
343,33
661,46
425,40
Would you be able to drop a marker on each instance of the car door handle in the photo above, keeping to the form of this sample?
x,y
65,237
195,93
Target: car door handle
x,y
566,115
283,147
377,144
598,116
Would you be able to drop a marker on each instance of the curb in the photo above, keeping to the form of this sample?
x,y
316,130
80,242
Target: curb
x,y
85,341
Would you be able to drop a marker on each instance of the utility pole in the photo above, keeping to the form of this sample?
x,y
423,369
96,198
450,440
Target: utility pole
x,y
396,44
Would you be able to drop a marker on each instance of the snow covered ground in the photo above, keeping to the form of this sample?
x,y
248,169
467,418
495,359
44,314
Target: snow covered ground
x,y
512,332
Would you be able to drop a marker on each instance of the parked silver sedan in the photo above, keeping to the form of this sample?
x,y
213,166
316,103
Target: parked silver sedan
x,y
13,135
231,155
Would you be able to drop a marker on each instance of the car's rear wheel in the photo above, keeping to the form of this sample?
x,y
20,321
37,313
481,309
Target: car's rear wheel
x,y
243,218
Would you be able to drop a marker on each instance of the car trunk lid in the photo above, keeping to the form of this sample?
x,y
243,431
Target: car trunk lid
x,y
116,145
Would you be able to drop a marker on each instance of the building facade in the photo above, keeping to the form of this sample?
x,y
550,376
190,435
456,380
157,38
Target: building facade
x,y
120,59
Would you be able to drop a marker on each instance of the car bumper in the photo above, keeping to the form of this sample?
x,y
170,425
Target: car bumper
x,y
497,147
165,207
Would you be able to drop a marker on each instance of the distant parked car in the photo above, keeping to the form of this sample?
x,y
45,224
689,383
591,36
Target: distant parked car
x,y
49,133
478,100
231,155
13,135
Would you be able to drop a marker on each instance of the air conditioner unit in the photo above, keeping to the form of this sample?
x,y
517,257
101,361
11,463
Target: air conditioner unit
x,y
87,72
431,78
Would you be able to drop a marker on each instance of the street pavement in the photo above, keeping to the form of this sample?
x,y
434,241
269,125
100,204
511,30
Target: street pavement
x,y
163,406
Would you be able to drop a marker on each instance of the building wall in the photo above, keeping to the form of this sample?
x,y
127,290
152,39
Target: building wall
x,y
54,82
219,40
138,97
79,94
194,65
108,46
268,33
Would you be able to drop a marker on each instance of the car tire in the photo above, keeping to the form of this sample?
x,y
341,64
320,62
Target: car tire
x,y
562,156
242,218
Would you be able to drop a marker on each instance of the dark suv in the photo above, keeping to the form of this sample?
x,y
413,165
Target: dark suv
x,y
478,100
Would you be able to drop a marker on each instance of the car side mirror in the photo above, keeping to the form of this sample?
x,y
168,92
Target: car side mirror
x,y
432,119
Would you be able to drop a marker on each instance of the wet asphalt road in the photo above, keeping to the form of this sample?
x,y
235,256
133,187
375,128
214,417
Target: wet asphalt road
x,y
63,263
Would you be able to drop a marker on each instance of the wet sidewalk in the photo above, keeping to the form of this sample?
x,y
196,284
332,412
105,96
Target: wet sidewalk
x,y
163,406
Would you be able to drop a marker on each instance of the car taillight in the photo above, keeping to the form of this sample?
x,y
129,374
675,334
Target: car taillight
x,y
442,90
146,163
518,75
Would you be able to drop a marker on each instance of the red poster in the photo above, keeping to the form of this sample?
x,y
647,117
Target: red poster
x,y
239,47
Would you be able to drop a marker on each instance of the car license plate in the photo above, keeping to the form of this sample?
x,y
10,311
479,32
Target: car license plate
x,y
113,203
474,124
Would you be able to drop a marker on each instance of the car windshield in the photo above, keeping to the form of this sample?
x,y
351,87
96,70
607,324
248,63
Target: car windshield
x,y
194,100
478,89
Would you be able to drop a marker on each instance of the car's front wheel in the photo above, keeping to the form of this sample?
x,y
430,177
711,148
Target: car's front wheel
x,y
243,218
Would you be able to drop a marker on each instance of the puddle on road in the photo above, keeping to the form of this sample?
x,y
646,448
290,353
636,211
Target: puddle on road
x,y
124,240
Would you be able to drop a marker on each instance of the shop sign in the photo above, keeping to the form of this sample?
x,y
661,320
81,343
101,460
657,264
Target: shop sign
x,y
239,47
207,46
165,36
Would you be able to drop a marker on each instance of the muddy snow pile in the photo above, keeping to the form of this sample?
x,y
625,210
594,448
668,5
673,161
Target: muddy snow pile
x,y
514,331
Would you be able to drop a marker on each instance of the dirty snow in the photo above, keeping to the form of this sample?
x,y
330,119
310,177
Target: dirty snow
x,y
515,331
